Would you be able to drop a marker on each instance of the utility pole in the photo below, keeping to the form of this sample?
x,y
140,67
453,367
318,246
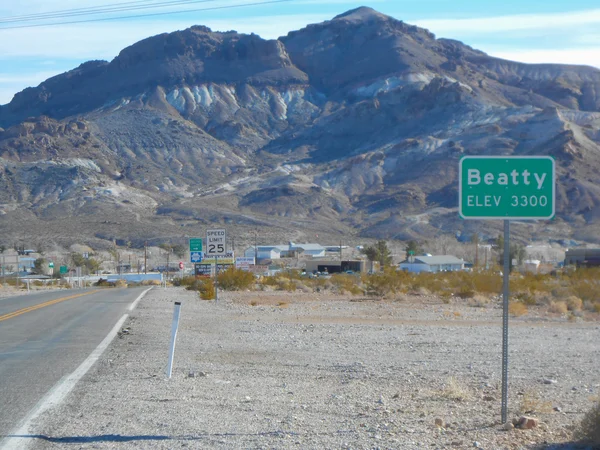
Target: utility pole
x,y
145,257
340,252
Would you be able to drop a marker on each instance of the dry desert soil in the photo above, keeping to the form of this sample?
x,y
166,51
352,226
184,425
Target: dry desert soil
x,y
264,370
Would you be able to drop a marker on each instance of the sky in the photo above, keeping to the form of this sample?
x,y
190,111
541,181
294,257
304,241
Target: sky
x,y
532,31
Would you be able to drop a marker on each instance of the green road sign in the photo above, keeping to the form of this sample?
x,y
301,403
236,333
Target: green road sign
x,y
51,264
64,269
195,245
506,187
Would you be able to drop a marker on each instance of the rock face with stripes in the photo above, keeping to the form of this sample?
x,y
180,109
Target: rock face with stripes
x,y
353,125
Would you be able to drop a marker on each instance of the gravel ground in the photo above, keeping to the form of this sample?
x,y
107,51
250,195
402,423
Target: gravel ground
x,y
311,371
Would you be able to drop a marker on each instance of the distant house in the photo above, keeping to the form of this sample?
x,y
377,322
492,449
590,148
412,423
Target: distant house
x,y
267,251
440,263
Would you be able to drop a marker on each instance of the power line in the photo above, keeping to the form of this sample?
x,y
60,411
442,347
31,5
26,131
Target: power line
x,y
116,7
136,16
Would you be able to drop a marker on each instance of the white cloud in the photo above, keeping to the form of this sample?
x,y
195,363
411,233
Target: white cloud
x,y
554,21
587,57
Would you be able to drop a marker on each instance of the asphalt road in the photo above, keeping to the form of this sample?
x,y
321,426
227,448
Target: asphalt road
x,y
44,337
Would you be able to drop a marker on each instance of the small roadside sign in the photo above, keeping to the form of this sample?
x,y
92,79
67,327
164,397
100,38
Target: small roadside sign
x,y
506,187
215,242
195,245
244,262
196,257
51,265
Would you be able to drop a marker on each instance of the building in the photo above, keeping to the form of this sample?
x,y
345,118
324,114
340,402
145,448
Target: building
x,y
337,266
267,251
285,251
585,257
314,250
440,263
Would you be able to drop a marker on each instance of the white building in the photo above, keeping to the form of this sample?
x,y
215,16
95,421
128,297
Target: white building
x,y
441,263
267,251
314,250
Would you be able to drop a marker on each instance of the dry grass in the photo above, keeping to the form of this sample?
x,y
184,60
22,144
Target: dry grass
x,y
574,303
531,403
283,304
456,390
517,309
589,428
479,301
558,307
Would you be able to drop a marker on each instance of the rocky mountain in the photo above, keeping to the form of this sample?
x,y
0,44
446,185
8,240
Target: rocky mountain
x,y
353,126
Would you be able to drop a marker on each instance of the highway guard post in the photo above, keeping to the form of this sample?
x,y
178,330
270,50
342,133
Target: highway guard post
x,y
507,188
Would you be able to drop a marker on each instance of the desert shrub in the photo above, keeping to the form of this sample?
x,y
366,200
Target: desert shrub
x,y
270,281
303,287
588,430
445,296
465,292
574,303
121,283
479,301
486,282
234,279
526,298
346,283
558,307
205,287
151,283
517,309
530,282
384,284
185,281
455,390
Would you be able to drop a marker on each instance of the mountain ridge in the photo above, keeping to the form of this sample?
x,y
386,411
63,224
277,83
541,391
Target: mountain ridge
x,y
356,124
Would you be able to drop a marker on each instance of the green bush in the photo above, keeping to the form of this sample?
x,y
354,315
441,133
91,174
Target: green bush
x,y
346,283
205,287
185,281
386,283
234,279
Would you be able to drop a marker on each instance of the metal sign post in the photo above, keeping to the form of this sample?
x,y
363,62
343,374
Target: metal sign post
x,y
507,188
174,328
216,281
505,292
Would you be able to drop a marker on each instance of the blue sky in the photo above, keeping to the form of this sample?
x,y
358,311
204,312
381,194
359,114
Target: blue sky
x,y
528,31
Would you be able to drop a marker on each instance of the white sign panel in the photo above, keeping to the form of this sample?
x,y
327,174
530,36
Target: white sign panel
x,y
215,243
244,262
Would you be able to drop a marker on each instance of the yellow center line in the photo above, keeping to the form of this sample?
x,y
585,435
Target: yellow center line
x,y
42,305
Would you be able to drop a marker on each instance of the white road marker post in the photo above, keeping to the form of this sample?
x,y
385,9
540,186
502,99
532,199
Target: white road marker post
x,y
174,328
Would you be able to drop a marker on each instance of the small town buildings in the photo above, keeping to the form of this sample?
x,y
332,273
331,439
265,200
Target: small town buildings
x,y
285,251
313,250
586,257
439,263
267,251
337,266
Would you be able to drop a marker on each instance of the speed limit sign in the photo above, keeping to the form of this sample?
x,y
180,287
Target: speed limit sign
x,y
215,243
